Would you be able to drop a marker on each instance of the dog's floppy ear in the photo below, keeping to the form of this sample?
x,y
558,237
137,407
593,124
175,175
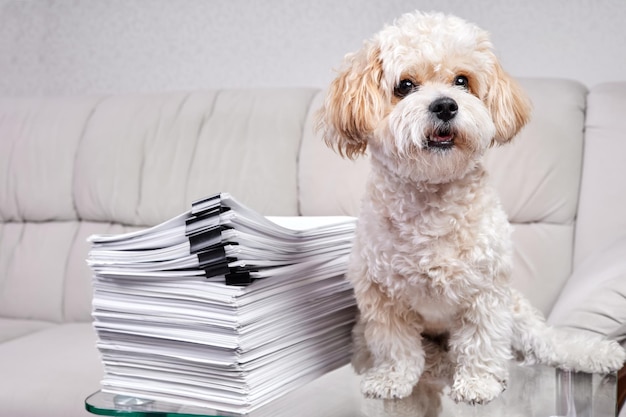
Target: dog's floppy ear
x,y
509,106
353,104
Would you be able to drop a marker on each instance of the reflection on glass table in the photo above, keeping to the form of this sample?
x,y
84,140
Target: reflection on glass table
x,y
536,391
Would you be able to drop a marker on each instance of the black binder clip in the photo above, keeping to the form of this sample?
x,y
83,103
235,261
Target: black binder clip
x,y
206,204
216,269
239,278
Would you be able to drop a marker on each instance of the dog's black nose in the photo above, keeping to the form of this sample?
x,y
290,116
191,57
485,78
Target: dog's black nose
x,y
444,108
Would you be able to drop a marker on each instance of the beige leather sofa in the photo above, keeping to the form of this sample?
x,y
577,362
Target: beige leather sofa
x,y
70,167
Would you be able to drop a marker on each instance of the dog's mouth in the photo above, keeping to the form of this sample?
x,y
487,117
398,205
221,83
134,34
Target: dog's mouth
x,y
442,138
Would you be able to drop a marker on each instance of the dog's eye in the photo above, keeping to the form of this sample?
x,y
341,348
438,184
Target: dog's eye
x,y
404,88
461,81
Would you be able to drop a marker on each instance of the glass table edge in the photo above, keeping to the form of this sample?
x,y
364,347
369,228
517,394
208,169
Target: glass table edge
x,y
101,411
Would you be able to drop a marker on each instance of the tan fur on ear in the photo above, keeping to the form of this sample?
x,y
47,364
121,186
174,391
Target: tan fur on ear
x,y
353,104
510,107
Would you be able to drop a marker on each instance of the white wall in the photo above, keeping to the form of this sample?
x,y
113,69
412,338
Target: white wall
x,y
93,46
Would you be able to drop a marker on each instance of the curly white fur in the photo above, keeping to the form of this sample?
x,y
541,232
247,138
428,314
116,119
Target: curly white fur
x,y
432,255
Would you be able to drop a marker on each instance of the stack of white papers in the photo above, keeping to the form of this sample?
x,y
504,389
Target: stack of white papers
x,y
221,307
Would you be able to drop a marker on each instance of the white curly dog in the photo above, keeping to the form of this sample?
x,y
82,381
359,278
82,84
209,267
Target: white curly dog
x,y
431,263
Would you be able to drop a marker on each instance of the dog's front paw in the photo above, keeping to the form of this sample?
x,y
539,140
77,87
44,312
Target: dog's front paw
x,y
477,389
387,384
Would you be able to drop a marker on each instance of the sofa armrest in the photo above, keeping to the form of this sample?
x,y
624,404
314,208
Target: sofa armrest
x,y
594,297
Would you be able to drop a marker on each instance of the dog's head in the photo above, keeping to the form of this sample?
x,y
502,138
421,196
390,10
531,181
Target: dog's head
x,y
427,96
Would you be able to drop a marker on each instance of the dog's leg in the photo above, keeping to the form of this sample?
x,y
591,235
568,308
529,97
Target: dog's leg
x,y
537,342
397,356
480,343
392,336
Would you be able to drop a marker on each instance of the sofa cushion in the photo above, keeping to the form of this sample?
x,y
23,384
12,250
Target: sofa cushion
x,y
542,261
38,142
538,174
33,260
51,371
13,328
144,158
329,185
601,217
594,298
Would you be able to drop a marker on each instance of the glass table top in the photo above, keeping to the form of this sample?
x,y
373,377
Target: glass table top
x,y
533,391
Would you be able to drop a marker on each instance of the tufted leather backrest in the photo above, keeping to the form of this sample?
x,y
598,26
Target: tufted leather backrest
x,y
71,167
